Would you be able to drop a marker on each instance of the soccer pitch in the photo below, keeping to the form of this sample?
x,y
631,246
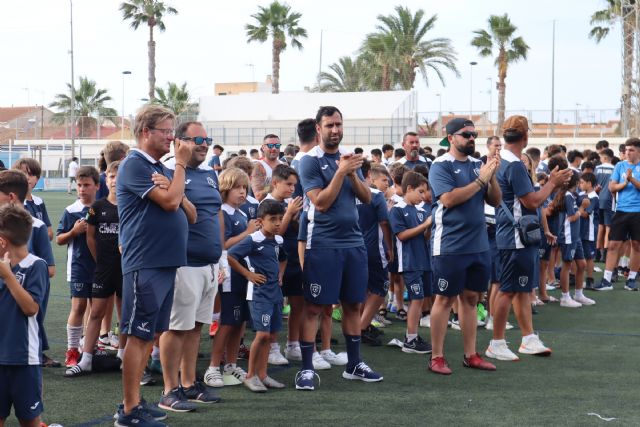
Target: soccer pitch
x,y
592,371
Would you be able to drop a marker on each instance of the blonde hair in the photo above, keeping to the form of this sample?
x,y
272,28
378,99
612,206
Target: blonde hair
x,y
149,116
115,150
232,178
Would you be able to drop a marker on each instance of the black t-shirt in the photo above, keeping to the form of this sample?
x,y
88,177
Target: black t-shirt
x,y
104,216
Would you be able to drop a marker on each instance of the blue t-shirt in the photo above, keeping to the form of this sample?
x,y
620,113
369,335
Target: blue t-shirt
x,y
603,176
37,209
103,190
215,161
411,164
263,257
290,237
338,226
569,231
304,224
39,243
543,166
235,223
150,236
461,229
629,197
295,164
21,336
80,263
250,207
370,215
412,253
589,226
515,182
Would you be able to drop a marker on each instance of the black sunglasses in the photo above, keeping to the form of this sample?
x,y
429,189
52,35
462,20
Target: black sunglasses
x,y
468,134
199,140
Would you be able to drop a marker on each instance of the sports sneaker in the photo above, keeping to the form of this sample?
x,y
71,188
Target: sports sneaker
x,y
425,321
103,341
76,371
477,362
138,418
243,352
375,331
583,300
569,302
455,324
233,375
498,349
416,345
147,378
588,284
376,324
481,323
604,285
362,372
339,359
175,400
489,325
213,328
337,314
319,363
72,357
293,353
631,285
213,377
551,287
401,314
380,318
153,410
533,345
200,393
155,366
114,341
439,365
271,383
304,379
276,358
368,337
254,384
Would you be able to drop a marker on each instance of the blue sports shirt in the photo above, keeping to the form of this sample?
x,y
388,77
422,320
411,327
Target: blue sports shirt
x,y
629,197
80,263
370,215
412,253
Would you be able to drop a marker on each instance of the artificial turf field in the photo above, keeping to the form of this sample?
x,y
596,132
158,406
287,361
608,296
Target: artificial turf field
x,y
593,369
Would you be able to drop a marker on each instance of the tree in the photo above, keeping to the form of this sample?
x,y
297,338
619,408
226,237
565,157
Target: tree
x,y
278,22
90,109
148,12
500,38
379,50
348,75
177,99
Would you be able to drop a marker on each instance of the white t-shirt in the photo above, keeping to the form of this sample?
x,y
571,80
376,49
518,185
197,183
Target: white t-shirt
x,y
73,167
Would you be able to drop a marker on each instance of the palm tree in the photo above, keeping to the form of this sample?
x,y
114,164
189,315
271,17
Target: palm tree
x,y
404,50
602,20
276,21
90,109
149,12
347,75
177,99
510,49
379,50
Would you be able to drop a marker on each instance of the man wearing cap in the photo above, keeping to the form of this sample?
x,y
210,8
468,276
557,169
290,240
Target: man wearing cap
x,y
411,146
517,260
461,259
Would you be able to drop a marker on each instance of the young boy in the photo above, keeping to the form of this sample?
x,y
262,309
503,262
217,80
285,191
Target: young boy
x,y
603,176
102,241
34,204
589,224
80,264
23,282
267,261
409,224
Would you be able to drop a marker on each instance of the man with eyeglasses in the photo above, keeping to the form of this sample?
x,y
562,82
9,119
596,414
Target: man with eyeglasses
x,y
411,146
461,257
262,168
153,237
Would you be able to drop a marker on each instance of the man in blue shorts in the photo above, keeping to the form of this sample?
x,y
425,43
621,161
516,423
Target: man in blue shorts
x,y
335,262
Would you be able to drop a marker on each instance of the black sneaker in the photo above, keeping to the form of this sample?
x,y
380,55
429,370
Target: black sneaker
x,y
614,276
147,379
369,338
377,332
150,408
175,400
631,285
588,283
200,393
401,314
417,345
138,417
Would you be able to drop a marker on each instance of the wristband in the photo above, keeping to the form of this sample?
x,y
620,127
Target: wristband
x,y
182,166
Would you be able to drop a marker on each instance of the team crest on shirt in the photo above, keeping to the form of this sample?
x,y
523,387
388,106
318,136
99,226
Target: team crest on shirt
x,y
442,285
420,216
315,289
252,211
20,278
277,251
415,288
385,285
476,171
236,313
266,319
523,280
211,182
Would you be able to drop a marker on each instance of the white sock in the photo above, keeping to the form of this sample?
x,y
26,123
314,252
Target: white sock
x,y
624,262
155,353
411,337
632,275
495,342
607,275
74,333
120,353
579,293
566,295
293,344
215,316
526,337
85,361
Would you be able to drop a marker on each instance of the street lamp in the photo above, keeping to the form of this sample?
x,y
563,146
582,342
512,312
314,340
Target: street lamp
x,y
471,64
124,73
490,97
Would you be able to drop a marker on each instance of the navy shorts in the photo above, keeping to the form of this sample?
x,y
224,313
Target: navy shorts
x,y
80,290
333,275
589,249
536,273
605,217
495,261
234,309
413,284
107,282
393,265
266,316
571,251
21,387
454,273
292,284
427,283
518,269
378,278
147,297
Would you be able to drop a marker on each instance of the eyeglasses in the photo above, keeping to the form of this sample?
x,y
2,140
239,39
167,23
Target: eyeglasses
x,y
467,134
199,140
165,132
272,146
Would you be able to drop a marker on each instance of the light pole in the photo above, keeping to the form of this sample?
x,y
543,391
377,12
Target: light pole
x,y
439,113
471,64
73,88
124,73
490,97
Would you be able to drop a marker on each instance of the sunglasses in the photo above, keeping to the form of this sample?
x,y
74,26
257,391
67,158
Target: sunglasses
x,y
199,140
272,146
467,134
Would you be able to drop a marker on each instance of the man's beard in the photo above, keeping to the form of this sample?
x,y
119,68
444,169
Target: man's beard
x,y
328,143
414,154
468,149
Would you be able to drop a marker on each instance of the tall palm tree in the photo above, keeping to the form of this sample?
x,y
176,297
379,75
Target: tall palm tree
x,y
90,109
148,12
177,99
347,75
379,50
500,39
276,21
402,39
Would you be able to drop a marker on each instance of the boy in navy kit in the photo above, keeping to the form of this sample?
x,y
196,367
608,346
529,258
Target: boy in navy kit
x,y
589,224
80,264
266,262
34,204
23,282
409,224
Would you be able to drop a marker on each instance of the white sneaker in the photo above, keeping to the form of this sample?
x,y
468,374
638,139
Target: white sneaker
x,y
509,326
319,363
533,345
293,353
380,318
276,358
233,375
583,300
498,349
489,325
213,377
481,323
569,302
339,359
425,321
114,342
455,324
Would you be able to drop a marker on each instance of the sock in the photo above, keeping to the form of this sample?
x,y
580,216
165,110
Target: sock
x,y
85,361
306,348
624,262
215,317
411,337
632,275
293,344
607,275
353,350
496,342
120,353
74,333
155,353
566,295
579,293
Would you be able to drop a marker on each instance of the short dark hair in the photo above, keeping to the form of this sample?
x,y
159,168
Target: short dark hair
x,y
387,147
290,150
14,181
594,157
15,224
410,133
422,170
183,127
88,172
632,142
270,207
587,165
74,159
365,168
307,131
326,111
603,143
397,173
358,150
590,178
553,149
242,152
270,135
253,151
607,152
573,155
440,152
491,138
283,172
622,148
534,153
31,165
412,179
399,152
113,166
378,170
219,147
559,161
376,152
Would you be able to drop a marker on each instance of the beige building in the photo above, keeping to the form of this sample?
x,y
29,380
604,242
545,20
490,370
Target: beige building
x,y
236,88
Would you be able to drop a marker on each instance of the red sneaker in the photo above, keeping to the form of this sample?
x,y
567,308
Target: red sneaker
x,y
439,365
72,357
243,352
476,362
213,328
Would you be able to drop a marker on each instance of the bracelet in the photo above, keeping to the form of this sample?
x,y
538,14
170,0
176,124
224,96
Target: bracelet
x,y
480,183
182,166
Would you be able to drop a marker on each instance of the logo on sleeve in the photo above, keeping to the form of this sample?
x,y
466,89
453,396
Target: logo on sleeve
x,y
476,171
315,289
20,278
266,319
523,280
442,285
211,182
